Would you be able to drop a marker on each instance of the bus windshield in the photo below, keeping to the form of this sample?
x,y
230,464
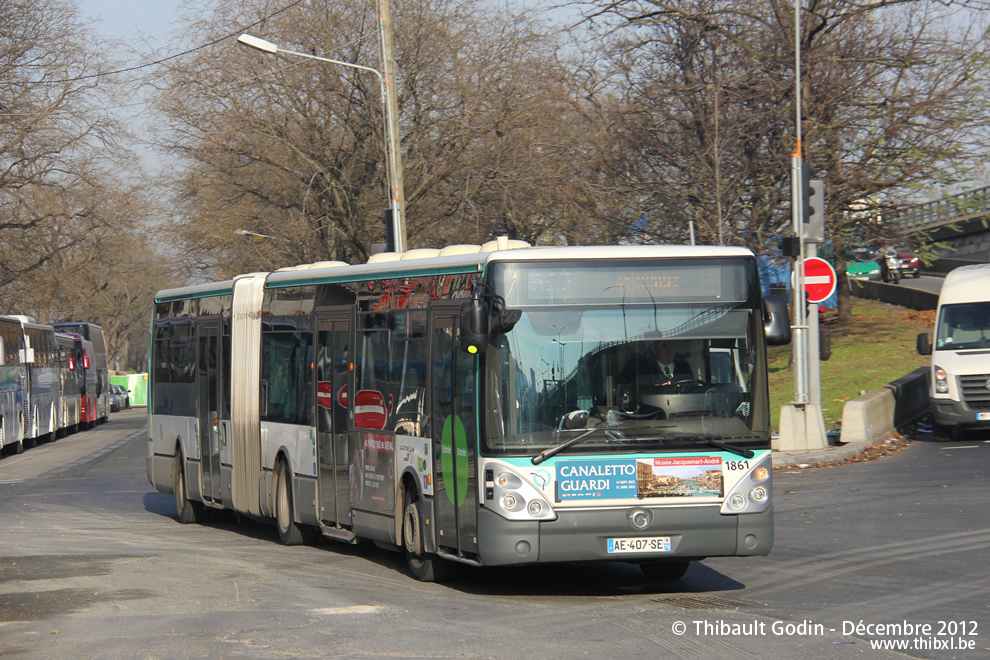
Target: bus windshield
x,y
666,370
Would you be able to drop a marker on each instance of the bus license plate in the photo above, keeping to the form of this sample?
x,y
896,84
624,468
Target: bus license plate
x,y
640,544
983,416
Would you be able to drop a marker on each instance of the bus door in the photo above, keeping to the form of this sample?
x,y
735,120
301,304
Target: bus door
x,y
332,385
209,391
454,432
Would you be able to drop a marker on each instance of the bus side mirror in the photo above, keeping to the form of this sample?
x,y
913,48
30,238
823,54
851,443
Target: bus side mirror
x,y
474,326
923,347
507,320
776,322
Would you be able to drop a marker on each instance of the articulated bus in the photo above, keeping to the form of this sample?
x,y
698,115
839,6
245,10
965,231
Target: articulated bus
x,y
97,362
481,405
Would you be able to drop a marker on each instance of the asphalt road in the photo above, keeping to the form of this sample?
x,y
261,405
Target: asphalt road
x,y
925,283
94,564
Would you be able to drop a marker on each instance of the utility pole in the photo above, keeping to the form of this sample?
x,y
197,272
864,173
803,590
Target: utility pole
x,y
396,189
802,426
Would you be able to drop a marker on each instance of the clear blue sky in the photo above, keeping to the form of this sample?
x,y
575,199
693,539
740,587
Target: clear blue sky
x,y
131,21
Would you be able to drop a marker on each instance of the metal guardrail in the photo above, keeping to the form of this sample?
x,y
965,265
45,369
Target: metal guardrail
x,y
964,204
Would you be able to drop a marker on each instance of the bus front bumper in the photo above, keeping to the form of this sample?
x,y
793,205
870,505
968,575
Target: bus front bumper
x,y
694,532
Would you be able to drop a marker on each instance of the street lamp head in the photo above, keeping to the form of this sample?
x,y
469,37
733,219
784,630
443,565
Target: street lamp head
x,y
258,44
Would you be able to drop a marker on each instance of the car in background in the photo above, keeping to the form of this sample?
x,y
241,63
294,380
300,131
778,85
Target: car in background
x,y
910,264
861,264
114,401
123,397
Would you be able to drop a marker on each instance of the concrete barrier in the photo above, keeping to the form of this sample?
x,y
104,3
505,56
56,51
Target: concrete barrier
x,y
875,415
902,296
941,267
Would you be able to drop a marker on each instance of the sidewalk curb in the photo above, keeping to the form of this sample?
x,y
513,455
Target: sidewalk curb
x,y
827,455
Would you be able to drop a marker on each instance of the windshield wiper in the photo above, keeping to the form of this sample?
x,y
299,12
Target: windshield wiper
x,y
712,442
707,439
556,449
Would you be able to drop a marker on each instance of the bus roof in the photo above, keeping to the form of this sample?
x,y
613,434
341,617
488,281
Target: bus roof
x,y
451,260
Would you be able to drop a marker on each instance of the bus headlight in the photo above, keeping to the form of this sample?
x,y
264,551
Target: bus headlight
x,y
515,498
752,493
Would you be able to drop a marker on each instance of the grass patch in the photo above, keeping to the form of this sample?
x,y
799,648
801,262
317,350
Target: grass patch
x,y
877,348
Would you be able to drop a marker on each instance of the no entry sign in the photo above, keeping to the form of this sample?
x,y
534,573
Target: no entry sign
x,y
819,279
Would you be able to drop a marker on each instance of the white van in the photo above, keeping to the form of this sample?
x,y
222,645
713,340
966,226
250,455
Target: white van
x,y
960,375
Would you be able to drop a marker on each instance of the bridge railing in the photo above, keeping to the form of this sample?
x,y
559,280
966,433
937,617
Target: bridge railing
x,y
967,203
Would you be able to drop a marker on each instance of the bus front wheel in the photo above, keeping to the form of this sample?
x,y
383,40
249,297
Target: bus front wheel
x,y
186,510
19,449
424,566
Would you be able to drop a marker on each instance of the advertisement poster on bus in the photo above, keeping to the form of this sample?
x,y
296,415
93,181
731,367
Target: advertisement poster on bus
x,y
373,473
675,476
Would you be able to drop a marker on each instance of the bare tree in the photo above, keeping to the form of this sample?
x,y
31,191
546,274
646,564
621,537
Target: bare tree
x,y
891,103
293,149
54,137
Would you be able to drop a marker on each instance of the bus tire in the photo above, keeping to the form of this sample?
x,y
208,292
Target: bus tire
x,y
52,425
665,571
19,448
424,566
186,510
289,533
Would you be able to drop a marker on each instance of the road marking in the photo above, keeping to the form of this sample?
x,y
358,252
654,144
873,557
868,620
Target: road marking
x,y
95,454
354,609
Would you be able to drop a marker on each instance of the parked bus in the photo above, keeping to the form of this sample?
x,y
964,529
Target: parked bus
x,y
69,372
478,405
13,388
41,403
97,362
86,375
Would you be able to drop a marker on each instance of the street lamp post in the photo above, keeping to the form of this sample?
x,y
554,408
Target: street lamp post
x,y
393,158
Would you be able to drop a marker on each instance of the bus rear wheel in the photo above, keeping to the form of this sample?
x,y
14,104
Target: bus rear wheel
x,y
186,510
424,566
665,571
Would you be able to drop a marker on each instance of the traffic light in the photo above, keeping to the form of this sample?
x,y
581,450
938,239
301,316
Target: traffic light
x,y
814,213
807,171
389,230
812,205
